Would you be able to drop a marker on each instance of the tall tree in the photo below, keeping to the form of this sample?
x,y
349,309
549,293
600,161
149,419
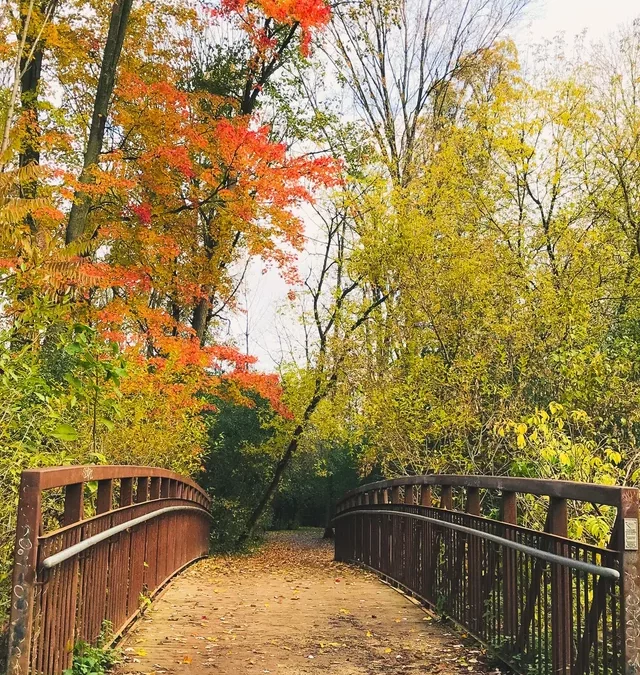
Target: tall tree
x,y
400,58
77,223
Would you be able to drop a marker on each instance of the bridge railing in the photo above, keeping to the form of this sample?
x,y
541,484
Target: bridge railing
x,y
542,602
93,543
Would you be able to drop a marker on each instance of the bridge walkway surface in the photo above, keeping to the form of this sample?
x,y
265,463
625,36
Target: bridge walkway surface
x,y
290,609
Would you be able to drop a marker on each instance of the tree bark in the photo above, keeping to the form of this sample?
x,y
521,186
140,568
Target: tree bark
x,y
78,217
284,461
281,467
25,21
199,320
31,70
29,82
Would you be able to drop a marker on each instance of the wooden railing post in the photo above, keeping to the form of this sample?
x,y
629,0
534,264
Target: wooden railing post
x,y
560,592
154,489
73,503
173,489
104,502
474,565
142,490
473,501
508,514
126,491
446,497
164,488
425,495
73,512
24,574
408,494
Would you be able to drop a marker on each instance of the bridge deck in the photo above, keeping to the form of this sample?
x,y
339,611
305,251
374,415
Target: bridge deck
x,y
290,610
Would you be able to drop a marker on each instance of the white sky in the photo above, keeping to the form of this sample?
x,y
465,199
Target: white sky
x,y
544,20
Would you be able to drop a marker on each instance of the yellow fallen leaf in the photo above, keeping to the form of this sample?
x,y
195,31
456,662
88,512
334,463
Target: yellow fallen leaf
x,y
388,650
187,659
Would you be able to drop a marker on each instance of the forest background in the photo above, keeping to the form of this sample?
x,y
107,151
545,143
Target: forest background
x,y
473,301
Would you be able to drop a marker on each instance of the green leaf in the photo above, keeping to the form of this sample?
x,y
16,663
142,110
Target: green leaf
x,y
65,432
108,423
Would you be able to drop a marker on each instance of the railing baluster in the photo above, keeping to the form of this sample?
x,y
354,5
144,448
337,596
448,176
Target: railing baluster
x,y
446,497
73,503
173,489
154,488
142,489
508,514
408,494
164,487
126,491
104,501
560,594
425,495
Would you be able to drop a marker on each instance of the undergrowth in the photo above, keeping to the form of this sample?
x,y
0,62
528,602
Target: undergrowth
x,y
94,660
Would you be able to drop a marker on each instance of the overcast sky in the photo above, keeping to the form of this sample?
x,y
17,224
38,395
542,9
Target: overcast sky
x,y
545,19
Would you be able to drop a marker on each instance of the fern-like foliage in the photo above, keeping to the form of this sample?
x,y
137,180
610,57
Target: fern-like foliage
x,y
36,252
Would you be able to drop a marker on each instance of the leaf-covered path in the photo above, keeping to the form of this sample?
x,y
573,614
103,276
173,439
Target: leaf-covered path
x,y
290,610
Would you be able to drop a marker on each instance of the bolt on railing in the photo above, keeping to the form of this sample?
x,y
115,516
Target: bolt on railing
x,y
542,602
99,568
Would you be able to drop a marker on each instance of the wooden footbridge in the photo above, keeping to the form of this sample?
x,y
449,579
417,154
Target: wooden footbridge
x,y
94,545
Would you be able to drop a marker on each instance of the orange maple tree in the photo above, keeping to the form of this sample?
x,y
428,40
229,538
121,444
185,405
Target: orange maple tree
x,y
188,184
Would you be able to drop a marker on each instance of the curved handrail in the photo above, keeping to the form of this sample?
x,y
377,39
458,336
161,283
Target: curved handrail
x,y
58,558
610,495
61,476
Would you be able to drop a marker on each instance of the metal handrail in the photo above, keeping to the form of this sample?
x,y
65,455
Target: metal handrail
x,y
58,558
609,495
599,570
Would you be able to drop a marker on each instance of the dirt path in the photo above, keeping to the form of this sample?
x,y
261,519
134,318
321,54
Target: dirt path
x,y
291,610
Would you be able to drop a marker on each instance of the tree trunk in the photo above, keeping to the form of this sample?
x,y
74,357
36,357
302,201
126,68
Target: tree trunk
x,y
199,321
30,152
25,21
29,82
117,28
281,466
319,394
